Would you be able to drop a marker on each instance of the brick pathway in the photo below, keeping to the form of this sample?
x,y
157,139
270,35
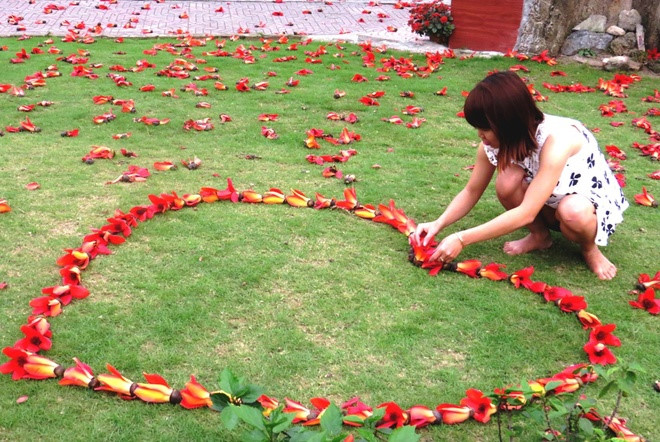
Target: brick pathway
x,y
351,20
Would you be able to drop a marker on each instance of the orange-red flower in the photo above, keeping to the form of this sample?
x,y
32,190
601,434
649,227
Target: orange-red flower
x,y
646,281
323,202
194,395
74,257
80,375
156,390
164,165
469,267
26,365
250,196
273,196
492,271
421,416
298,199
356,410
46,305
301,413
618,427
268,404
350,201
453,414
587,319
4,206
229,193
522,277
116,383
645,199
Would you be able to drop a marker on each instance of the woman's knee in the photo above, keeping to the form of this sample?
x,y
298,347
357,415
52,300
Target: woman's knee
x,y
510,186
576,211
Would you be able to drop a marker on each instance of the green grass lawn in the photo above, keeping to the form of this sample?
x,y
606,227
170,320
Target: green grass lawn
x,y
304,303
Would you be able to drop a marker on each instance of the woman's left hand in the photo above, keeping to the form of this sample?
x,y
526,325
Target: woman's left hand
x,y
448,249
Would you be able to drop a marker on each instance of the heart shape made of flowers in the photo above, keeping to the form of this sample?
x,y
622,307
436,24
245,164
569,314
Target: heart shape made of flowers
x,y
27,362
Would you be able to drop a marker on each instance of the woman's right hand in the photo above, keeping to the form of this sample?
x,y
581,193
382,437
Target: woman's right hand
x,y
425,232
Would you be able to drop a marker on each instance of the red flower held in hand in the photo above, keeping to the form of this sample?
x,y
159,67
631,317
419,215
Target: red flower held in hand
x,y
646,300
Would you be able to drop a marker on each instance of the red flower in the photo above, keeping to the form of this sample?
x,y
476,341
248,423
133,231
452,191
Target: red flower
x,y
599,353
647,301
481,406
37,336
570,304
603,334
394,416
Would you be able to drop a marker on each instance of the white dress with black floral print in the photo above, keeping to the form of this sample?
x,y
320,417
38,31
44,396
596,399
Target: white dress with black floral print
x,y
586,173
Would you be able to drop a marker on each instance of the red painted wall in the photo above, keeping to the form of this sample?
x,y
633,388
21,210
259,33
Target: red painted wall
x,y
485,25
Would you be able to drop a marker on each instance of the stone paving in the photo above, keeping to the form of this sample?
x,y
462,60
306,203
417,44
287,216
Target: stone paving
x,y
352,20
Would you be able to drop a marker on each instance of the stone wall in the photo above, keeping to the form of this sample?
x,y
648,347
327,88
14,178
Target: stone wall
x,y
547,23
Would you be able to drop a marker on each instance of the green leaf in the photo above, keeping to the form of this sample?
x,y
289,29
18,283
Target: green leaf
x,y
254,436
404,434
367,435
552,385
283,421
607,388
229,382
331,421
250,415
252,393
586,426
220,401
229,418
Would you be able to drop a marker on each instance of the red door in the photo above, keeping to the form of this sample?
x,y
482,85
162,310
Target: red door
x,y
485,25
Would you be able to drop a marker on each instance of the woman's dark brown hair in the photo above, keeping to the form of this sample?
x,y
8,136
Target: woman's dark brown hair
x,y
502,103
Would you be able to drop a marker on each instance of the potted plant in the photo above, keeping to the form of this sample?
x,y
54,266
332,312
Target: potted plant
x,y
433,19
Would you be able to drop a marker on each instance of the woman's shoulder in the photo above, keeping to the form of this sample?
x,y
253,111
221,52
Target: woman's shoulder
x,y
554,125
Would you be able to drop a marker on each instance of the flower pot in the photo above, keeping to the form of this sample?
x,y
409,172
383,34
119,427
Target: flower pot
x,y
439,39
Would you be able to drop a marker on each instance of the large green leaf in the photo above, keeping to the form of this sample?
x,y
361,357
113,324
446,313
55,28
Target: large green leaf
x,y
331,421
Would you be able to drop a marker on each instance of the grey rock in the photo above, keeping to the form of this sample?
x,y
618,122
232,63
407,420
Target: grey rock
x,y
620,63
629,19
639,33
595,23
593,62
654,65
623,45
596,41
616,31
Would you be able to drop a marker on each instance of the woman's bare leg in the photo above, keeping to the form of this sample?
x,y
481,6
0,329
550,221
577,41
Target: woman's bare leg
x,y
578,223
510,188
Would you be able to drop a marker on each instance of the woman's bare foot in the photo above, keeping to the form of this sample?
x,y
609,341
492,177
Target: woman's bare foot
x,y
533,241
598,263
